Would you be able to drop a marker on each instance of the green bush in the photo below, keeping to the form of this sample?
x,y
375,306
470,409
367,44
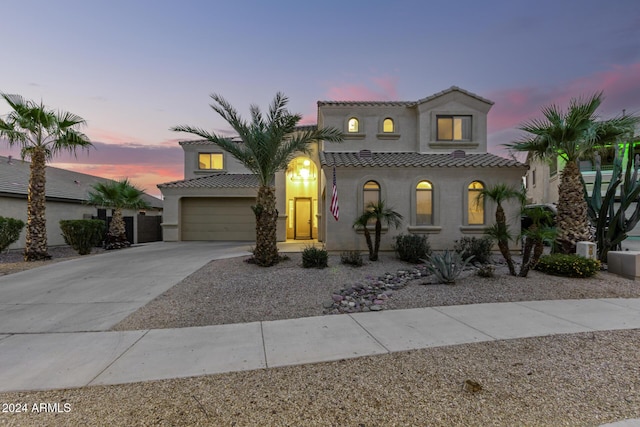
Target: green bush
x,y
480,248
313,257
446,266
82,234
351,258
412,248
568,265
10,229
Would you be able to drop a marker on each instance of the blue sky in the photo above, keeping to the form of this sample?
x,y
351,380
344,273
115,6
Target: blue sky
x,y
134,69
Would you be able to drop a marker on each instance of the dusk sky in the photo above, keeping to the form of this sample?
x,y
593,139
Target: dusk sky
x,y
133,69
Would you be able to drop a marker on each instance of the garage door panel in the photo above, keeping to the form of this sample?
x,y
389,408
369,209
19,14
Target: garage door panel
x,y
215,218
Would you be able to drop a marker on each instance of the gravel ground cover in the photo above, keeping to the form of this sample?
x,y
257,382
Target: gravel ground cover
x,y
233,291
576,379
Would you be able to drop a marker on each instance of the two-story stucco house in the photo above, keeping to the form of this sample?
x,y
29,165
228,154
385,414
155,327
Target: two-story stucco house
x,y
426,159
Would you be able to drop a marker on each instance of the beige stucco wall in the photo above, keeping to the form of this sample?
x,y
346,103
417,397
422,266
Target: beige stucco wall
x,y
398,191
370,120
191,170
56,211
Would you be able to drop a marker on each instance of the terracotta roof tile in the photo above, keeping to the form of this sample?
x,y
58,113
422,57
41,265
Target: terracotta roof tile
x,y
216,181
352,159
402,103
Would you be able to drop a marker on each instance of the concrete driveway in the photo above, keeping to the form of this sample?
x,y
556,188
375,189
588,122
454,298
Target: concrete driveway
x,y
94,293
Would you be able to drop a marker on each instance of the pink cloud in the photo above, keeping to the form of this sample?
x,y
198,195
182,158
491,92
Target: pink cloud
x,y
380,89
621,87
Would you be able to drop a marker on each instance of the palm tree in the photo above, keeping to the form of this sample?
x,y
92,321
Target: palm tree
x,y
118,195
572,135
268,145
539,232
41,134
499,194
380,213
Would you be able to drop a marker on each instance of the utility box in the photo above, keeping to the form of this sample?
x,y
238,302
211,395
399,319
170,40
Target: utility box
x,y
586,250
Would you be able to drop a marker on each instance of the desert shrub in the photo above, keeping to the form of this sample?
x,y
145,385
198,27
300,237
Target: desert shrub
x,y
351,258
313,257
568,265
82,234
446,266
486,270
412,248
10,229
479,248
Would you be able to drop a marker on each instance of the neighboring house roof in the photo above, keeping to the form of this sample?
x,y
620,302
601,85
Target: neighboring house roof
x,y
62,184
223,180
403,103
355,159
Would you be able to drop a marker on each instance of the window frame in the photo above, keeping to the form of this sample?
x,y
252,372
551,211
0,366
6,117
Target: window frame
x,y
452,117
424,190
384,125
365,191
357,123
471,203
211,154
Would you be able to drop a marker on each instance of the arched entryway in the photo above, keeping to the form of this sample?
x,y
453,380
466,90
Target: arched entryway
x,y
302,199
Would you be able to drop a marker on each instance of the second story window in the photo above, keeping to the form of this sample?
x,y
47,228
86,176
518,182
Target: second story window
x,y
387,126
210,161
454,128
353,125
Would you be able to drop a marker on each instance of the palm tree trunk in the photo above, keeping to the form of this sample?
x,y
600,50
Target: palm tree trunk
x,y
376,247
117,235
266,251
36,238
572,218
367,238
117,228
503,245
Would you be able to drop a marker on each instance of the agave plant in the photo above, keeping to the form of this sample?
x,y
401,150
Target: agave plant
x,y
446,266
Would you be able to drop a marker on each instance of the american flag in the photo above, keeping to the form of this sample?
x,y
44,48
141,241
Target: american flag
x,y
335,210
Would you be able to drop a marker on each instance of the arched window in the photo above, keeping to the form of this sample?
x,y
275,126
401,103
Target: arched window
x,y
387,126
424,203
353,125
370,193
475,205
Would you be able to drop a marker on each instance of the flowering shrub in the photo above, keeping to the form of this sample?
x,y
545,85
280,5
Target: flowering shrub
x,y
568,265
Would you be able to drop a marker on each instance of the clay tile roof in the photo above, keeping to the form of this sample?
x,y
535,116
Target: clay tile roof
x,y
223,180
454,89
367,103
402,103
206,142
352,159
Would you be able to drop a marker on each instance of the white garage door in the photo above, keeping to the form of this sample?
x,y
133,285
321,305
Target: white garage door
x,y
218,218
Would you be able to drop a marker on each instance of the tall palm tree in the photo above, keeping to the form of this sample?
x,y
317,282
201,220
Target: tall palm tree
x,y
40,133
499,194
381,214
118,195
572,135
268,145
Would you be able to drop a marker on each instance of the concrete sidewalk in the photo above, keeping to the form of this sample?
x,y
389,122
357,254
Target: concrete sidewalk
x,y
60,360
